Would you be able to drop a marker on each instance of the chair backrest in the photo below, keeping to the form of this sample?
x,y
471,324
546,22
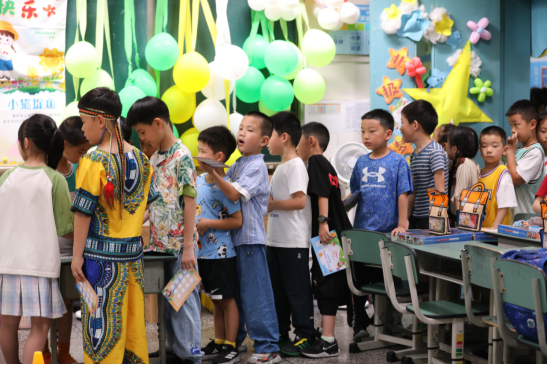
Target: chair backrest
x,y
525,216
517,281
398,252
364,245
479,264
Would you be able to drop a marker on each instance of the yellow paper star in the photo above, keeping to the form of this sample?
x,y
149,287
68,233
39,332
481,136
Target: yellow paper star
x,y
390,89
444,27
451,101
400,146
393,12
412,2
398,59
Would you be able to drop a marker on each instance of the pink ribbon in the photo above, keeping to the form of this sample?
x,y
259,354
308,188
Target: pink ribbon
x,y
416,69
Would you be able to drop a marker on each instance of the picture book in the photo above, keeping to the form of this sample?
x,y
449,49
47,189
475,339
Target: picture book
x,y
181,285
210,162
329,255
88,294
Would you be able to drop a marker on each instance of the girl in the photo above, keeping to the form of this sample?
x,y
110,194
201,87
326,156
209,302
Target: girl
x,y
441,134
461,148
33,196
542,136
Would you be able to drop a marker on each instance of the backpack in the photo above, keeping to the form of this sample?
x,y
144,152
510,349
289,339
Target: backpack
x,y
473,202
438,212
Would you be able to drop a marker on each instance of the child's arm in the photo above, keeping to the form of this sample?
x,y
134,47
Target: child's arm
x,y
500,216
81,229
438,176
537,204
297,202
188,257
232,222
512,143
403,214
324,232
226,187
146,215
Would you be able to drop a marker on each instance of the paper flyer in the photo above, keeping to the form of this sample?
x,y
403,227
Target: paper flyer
x,y
330,256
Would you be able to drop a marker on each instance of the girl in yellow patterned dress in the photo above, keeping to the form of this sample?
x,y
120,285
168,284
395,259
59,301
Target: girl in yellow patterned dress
x,y
113,189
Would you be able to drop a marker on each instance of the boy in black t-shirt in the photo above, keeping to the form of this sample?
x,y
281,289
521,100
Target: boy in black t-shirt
x,y
328,213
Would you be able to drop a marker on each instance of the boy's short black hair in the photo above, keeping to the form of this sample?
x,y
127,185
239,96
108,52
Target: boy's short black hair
x,y
319,131
542,118
384,117
538,96
103,99
494,130
466,140
219,139
424,113
145,110
446,129
287,122
266,127
127,130
525,108
72,131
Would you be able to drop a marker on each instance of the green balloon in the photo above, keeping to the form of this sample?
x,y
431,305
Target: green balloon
x,y
99,78
276,93
309,86
259,48
299,67
162,52
318,48
144,81
281,58
248,87
128,96
175,131
262,108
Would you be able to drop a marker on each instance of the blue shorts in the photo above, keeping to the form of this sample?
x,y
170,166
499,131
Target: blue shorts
x,y
6,65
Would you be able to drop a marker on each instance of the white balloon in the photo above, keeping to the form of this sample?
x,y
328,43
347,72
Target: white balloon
x,y
328,18
339,26
349,13
257,5
273,12
210,113
334,4
231,62
272,3
289,15
235,121
287,4
215,86
316,9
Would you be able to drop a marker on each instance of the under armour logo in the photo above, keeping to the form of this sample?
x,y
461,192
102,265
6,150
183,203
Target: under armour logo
x,y
379,174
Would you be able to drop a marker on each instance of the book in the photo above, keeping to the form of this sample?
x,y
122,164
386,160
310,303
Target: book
x,y
329,255
89,296
180,286
210,162
424,237
352,200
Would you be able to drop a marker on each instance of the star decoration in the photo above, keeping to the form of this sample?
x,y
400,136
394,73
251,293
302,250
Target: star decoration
x,y
390,89
451,101
444,27
454,39
411,2
398,59
413,25
400,146
393,12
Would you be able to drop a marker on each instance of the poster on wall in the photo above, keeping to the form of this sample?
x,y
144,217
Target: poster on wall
x,y
354,39
538,72
32,66
337,115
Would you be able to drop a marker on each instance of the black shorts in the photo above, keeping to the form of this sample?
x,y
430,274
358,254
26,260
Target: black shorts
x,y
330,291
219,277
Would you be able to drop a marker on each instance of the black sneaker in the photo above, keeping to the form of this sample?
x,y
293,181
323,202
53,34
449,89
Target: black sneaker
x,y
321,348
284,340
211,350
228,355
295,347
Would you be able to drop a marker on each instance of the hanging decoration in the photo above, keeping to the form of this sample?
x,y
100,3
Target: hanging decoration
x,y
476,62
482,89
309,86
333,14
276,9
440,27
391,19
215,85
416,69
390,89
398,59
479,30
454,39
415,16
413,25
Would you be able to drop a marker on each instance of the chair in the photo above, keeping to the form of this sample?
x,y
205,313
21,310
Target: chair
x,y
525,216
403,262
524,285
362,246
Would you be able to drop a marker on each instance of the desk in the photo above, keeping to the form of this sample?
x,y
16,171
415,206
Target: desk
x,y
154,282
508,240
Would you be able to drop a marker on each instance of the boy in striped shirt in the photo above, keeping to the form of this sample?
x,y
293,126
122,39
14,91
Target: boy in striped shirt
x,y
428,163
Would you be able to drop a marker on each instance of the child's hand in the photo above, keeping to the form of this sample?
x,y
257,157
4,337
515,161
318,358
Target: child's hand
x,y
269,203
399,229
77,263
324,233
202,226
513,142
188,259
207,168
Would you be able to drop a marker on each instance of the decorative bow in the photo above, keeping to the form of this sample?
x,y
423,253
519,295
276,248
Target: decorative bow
x,y
483,89
416,69
479,30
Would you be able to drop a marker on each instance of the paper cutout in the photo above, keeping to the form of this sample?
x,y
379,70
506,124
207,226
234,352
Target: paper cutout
x,y
479,30
454,39
416,69
444,27
437,78
413,26
396,112
436,33
398,59
451,101
483,89
393,12
180,287
476,62
411,2
390,89
400,146
390,19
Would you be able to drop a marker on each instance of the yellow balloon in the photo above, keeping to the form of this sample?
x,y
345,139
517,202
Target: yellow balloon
x,y
181,105
191,72
233,158
190,140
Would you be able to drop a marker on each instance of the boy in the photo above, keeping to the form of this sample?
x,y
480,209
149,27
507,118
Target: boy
x,y
328,213
289,230
526,163
428,163
172,217
216,216
250,184
496,177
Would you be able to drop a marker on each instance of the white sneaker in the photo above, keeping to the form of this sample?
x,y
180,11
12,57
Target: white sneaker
x,y
267,358
242,347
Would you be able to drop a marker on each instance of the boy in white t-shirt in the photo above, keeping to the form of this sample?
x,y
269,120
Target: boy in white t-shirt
x,y
289,230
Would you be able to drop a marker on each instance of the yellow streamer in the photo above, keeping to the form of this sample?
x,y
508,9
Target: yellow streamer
x,y
209,19
182,25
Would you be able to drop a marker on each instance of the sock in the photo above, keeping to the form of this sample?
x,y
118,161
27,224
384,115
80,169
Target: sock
x,y
63,348
220,342
328,339
233,344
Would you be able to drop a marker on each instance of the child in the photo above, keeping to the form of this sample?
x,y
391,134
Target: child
x,y
328,213
441,134
542,137
113,189
217,215
250,184
35,211
428,163
289,230
461,148
172,217
496,177
526,163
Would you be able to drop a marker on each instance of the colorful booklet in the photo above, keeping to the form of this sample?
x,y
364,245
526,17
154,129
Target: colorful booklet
x,y
210,162
180,287
88,294
330,255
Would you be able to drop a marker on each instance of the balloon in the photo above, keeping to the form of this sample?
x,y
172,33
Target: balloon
x,y
334,4
128,96
210,113
71,110
215,86
99,78
262,108
273,12
281,58
339,25
318,47
233,158
81,59
316,9
248,87
289,14
190,140
309,86
259,48
181,105
257,5
231,62
288,4
144,81
235,121
162,52
276,93
299,67
176,131
191,73
328,18
349,13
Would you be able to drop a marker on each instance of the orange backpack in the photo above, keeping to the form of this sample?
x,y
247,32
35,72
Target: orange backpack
x,y
473,202
438,212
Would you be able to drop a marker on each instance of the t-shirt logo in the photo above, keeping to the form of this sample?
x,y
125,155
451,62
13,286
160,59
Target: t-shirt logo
x,y
379,174
333,180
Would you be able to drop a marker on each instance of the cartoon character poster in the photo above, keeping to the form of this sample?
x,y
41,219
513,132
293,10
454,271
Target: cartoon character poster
x,y
32,66
330,255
